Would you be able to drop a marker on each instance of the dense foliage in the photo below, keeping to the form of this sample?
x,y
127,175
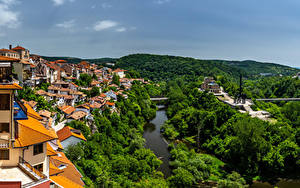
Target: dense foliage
x,y
75,60
254,68
157,67
254,148
115,155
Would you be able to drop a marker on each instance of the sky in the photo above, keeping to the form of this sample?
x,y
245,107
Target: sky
x,y
262,30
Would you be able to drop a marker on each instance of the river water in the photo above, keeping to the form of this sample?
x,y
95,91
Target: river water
x,y
156,142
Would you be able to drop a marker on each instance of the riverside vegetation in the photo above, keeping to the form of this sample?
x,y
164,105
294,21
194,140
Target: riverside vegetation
x,y
209,140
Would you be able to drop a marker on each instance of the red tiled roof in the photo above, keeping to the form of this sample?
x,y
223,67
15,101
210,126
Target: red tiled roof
x,y
4,58
110,103
18,48
66,132
7,50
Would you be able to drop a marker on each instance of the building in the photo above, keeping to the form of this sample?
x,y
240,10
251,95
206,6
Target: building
x,y
120,73
210,85
69,136
23,158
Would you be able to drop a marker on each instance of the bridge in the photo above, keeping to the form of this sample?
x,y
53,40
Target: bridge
x,y
159,99
279,99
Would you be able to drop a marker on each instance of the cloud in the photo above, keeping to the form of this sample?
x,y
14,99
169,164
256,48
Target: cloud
x,y
66,24
59,2
106,5
8,17
121,29
160,2
105,24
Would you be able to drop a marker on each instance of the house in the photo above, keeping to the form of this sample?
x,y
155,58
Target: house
x,y
9,53
78,115
28,149
69,136
67,110
120,73
23,154
110,104
111,95
210,85
63,172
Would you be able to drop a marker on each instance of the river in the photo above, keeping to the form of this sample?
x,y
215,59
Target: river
x,y
156,142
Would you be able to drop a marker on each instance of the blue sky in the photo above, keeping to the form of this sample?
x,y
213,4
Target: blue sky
x,y
262,30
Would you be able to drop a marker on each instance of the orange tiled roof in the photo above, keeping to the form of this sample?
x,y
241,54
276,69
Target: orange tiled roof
x,y
110,103
119,70
32,113
66,133
32,132
78,115
53,170
13,86
59,144
70,174
50,150
67,109
64,182
45,113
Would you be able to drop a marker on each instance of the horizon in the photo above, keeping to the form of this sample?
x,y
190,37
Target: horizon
x,y
210,29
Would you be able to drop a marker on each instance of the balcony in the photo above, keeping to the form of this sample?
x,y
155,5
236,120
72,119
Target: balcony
x,y
31,171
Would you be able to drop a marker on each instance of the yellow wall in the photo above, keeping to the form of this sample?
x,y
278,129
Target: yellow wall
x,y
37,159
13,158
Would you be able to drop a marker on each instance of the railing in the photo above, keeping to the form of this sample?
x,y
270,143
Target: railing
x,y
35,171
5,145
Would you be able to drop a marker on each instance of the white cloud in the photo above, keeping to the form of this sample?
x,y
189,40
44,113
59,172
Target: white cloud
x,y
106,5
160,2
121,29
105,24
66,24
60,2
8,17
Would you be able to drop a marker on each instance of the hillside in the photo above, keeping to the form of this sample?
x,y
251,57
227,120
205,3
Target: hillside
x,y
255,68
163,67
78,60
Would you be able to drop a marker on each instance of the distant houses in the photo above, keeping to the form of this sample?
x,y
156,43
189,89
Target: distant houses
x,y
210,85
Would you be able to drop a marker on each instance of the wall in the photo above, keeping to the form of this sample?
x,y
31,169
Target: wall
x,y
37,159
69,141
13,158
10,184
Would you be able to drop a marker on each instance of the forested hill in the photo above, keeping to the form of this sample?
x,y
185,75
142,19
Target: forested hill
x,y
255,68
164,67
78,60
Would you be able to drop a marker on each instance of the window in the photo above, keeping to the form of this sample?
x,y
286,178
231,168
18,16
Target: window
x,y
4,127
39,167
37,149
4,154
4,102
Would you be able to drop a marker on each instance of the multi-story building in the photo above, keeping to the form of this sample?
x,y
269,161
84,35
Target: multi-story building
x,y
23,153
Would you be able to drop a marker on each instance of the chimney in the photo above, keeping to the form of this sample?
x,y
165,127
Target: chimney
x,y
10,47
